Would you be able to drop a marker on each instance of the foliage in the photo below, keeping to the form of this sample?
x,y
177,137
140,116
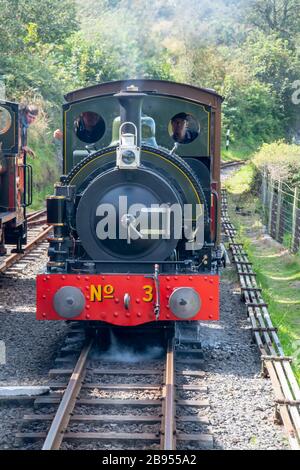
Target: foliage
x,y
248,50
251,114
44,21
46,161
133,50
279,16
273,63
28,41
281,160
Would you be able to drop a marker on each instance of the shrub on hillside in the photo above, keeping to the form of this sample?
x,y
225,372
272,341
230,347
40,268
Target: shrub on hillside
x,y
46,164
281,160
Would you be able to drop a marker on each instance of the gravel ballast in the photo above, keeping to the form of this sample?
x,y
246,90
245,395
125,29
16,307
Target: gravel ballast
x,y
30,346
241,410
242,401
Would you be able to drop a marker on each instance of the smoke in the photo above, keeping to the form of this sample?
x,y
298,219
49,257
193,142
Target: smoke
x,y
137,35
128,350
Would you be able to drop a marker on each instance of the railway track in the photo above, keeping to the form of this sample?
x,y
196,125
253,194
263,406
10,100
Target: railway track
x,y
156,404
38,232
37,218
275,364
232,163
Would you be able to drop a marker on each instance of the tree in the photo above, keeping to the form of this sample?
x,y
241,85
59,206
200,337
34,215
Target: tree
x,y
30,32
52,20
251,111
277,16
273,62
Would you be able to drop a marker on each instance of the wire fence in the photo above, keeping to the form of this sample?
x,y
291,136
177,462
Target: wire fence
x,y
281,205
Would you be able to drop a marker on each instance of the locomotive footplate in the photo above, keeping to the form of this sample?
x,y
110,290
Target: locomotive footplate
x,y
127,300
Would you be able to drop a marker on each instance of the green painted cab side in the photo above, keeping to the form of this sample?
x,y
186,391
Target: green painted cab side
x,y
157,112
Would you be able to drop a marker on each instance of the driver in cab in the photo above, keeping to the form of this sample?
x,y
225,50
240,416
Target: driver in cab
x,y
180,129
88,127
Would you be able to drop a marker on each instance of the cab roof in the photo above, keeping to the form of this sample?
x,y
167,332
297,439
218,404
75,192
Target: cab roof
x,y
205,96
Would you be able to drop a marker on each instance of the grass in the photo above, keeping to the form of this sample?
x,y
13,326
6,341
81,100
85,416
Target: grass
x,y
237,152
241,180
278,271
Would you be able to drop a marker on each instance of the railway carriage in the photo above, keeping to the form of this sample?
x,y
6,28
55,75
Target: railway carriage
x,y
15,180
136,212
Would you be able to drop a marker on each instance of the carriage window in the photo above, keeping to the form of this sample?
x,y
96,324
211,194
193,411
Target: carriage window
x,y
184,128
89,127
5,120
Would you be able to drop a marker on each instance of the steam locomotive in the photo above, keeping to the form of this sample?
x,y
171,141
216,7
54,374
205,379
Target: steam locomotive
x,y
136,212
15,180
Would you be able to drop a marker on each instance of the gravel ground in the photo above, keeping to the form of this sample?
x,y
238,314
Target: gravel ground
x,y
30,345
241,412
242,402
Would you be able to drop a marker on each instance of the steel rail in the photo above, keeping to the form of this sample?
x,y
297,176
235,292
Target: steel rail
x,y
168,438
35,215
232,163
13,258
164,402
37,218
63,414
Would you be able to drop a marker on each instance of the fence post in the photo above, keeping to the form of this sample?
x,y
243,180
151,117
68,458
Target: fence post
x,y
270,206
294,242
265,195
264,188
278,215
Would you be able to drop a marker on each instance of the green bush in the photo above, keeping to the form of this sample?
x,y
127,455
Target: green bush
x,y
281,160
45,164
